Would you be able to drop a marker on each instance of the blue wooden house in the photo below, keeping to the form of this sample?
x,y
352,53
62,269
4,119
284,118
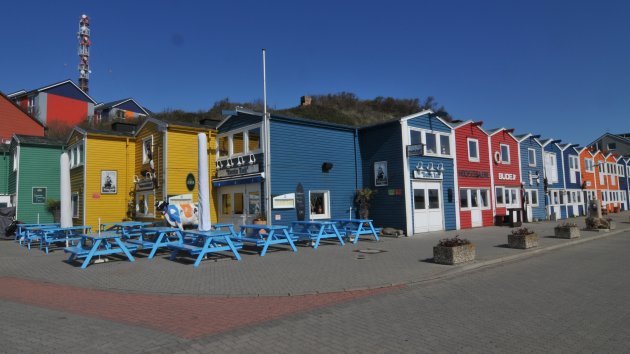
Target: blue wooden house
x,y
624,181
314,169
554,179
574,201
417,191
532,176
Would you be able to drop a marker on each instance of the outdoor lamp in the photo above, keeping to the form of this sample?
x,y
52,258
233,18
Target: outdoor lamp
x,y
327,166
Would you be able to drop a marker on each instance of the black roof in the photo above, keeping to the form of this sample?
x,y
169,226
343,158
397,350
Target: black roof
x,y
38,140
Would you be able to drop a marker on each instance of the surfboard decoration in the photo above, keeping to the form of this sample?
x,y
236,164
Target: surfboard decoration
x,y
300,205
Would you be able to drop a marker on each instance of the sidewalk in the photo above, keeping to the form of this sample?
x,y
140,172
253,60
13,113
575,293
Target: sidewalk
x,y
330,268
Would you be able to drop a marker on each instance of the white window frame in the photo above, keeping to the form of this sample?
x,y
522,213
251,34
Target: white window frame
x,y
529,161
589,165
230,136
497,194
504,162
16,160
76,155
326,214
438,141
611,149
551,168
531,192
476,141
469,191
574,168
145,157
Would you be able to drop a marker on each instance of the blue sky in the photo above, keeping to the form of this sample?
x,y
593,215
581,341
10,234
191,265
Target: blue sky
x,y
556,68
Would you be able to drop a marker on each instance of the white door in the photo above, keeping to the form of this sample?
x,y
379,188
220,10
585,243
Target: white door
x,y
239,204
427,206
475,208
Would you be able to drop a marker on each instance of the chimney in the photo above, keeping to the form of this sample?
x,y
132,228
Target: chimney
x,y
305,101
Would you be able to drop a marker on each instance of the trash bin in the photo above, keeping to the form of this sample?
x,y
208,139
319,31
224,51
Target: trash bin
x,y
518,212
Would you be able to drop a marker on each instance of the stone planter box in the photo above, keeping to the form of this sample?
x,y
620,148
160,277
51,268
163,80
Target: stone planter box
x,y
567,232
523,241
453,255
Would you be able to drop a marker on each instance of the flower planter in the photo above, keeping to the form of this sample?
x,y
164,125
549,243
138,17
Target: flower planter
x,y
453,255
523,241
567,232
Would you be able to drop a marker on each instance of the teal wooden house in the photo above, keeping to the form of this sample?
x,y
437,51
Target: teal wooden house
x,y
33,176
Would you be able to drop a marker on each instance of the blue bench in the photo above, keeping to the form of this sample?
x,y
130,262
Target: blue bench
x,y
80,252
213,242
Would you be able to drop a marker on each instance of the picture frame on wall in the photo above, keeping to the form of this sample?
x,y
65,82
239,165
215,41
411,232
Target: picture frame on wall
x,y
109,182
381,178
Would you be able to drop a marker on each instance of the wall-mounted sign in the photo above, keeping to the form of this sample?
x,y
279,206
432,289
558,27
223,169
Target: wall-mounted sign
x,y
415,150
507,176
109,182
239,170
144,184
39,195
427,174
380,174
473,174
284,201
190,182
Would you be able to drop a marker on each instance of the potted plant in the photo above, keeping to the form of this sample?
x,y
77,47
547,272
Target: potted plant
x,y
54,207
522,238
260,219
597,224
568,230
453,251
362,199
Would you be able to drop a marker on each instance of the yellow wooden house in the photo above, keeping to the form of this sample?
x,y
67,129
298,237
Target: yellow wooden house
x,y
166,165
102,166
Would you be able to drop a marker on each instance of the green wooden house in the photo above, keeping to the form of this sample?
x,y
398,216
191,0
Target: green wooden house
x,y
5,199
34,176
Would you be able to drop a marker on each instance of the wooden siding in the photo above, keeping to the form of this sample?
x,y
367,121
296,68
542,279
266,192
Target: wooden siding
x,y
77,186
108,154
384,143
462,134
613,182
538,212
587,177
38,167
503,137
297,154
430,122
5,166
567,177
12,180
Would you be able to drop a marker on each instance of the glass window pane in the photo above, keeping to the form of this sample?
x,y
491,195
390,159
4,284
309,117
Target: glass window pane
x,y
226,204
505,153
434,199
318,206
238,203
473,152
237,143
474,201
254,203
514,194
223,146
534,196
254,139
416,137
445,145
506,196
463,198
431,144
418,199
498,192
532,157
484,198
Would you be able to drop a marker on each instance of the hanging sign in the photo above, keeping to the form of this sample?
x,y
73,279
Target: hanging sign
x,y
427,174
190,182
144,184
235,171
284,201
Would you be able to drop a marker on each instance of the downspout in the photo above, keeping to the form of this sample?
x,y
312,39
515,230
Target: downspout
x,y
164,167
17,179
408,213
356,168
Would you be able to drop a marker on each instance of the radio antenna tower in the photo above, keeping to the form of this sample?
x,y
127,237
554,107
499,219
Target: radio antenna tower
x,y
84,52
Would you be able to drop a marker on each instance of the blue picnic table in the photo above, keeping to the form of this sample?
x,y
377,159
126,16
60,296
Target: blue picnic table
x,y
315,231
354,228
126,228
50,236
200,243
154,238
266,235
24,230
102,244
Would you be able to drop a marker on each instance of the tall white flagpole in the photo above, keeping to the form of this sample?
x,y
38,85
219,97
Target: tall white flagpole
x,y
267,132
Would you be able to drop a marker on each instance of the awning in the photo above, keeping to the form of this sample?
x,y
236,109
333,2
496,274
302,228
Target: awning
x,y
235,181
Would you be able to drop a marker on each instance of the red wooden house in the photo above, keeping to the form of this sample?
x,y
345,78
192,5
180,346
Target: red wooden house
x,y
474,175
13,120
506,172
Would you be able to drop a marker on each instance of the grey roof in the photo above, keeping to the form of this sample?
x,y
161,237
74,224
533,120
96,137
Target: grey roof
x,y
38,140
4,147
103,106
106,132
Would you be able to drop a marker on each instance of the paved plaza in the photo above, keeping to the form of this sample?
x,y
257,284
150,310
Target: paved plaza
x,y
567,295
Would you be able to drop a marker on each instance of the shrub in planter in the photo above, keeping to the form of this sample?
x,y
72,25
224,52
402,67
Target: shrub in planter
x,y
567,230
453,251
596,224
522,238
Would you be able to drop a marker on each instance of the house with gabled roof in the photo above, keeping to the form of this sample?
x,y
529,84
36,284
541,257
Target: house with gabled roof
x,y
616,143
62,102
15,120
125,109
532,176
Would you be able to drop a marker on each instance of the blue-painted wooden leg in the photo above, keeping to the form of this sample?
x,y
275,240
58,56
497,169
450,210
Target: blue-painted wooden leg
x,y
88,258
319,237
338,235
203,252
233,248
267,241
374,232
124,249
156,245
286,234
356,233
